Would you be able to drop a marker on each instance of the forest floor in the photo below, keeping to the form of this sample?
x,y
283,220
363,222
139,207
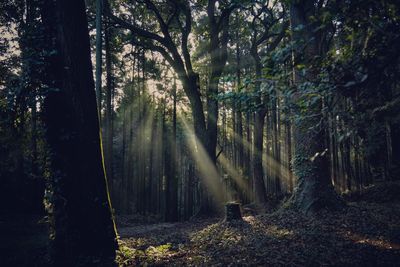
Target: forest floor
x,y
23,240
365,233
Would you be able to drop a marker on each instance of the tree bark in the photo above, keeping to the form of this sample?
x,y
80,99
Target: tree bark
x,y
259,117
314,190
99,44
259,183
83,228
238,113
108,127
275,121
172,183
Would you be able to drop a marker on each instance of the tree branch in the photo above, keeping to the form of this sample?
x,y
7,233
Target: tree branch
x,y
185,35
133,28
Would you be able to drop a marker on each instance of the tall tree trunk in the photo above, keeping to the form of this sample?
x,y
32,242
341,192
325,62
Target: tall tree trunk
x,y
259,183
276,147
314,189
34,138
84,231
289,150
172,182
218,56
247,163
238,113
31,76
395,146
131,158
123,185
151,173
99,49
108,153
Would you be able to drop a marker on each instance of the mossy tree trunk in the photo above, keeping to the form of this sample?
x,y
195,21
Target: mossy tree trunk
x,y
314,190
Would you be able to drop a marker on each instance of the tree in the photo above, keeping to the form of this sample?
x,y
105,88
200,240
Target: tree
x,y
20,80
110,84
99,45
178,20
83,228
170,165
264,22
314,189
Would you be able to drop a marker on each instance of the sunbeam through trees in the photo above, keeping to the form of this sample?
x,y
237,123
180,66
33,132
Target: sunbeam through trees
x,y
210,132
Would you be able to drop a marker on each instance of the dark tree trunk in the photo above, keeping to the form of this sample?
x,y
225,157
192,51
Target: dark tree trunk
x,y
108,127
99,44
172,182
275,142
395,142
259,117
123,186
218,56
238,113
83,227
108,153
34,138
130,159
259,184
289,150
247,161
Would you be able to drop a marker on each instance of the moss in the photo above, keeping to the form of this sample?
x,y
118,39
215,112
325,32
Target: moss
x,y
125,254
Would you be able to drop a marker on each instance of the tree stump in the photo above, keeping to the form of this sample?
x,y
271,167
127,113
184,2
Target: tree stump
x,y
232,212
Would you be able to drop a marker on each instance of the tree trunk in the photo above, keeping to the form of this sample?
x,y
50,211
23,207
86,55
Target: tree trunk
x,y
84,231
395,142
259,183
289,150
238,113
108,153
172,183
314,189
99,42
247,163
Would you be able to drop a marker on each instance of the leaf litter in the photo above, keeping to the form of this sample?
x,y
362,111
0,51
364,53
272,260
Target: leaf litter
x,y
365,233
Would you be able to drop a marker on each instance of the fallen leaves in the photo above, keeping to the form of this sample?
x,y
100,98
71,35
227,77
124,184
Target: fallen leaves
x,y
362,234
